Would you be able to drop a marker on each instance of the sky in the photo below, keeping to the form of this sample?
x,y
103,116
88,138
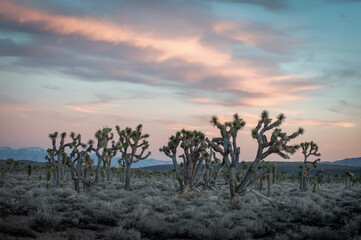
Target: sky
x,y
83,65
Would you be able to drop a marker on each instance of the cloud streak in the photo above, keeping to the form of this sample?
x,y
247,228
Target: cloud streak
x,y
187,48
181,62
322,123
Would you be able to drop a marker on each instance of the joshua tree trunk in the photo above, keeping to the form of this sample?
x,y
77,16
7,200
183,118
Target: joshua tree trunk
x,y
269,182
62,173
260,184
122,174
303,178
308,149
241,188
108,174
76,180
88,186
127,178
68,173
232,181
186,189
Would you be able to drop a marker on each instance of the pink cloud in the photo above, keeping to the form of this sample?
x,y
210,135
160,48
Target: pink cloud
x,y
187,48
240,74
256,35
323,123
83,109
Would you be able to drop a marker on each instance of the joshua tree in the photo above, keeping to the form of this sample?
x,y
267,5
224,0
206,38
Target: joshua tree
x,y
30,168
9,164
55,154
349,179
122,167
108,158
317,180
226,146
74,163
194,154
48,177
131,141
103,137
209,179
270,177
276,144
281,176
308,149
16,166
79,157
244,167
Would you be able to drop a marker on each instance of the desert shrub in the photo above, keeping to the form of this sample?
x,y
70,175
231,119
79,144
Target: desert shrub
x,y
189,214
99,212
119,233
104,217
309,212
192,229
163,208
19,190
226,221
40,192
173,217
279,237
73,218
17,230
45,220
353,228
310,232
155,227
64,192
74,234
14,207
255,227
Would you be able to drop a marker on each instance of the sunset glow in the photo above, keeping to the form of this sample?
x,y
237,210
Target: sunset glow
x,y
170,65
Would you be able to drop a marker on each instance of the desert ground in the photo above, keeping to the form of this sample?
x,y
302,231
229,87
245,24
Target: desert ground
x,y
154,209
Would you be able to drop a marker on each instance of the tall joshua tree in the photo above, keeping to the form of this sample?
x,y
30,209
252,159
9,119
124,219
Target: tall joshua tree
x,y
110,154
308,149
101,149
194,154
55,154
76,159
131,142
278,143
226,146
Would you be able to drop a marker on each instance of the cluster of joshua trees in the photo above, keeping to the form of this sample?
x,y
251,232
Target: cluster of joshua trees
x,y
131,144
198,155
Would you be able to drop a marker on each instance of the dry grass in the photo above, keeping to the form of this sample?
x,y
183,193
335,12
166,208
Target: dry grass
x,y
155,210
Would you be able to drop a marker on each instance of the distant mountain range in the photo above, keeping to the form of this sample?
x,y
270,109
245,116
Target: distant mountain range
x,y
29,153
38,154
355,162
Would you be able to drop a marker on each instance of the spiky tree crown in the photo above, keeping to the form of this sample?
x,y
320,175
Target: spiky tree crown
x,y
310,148
214,120
231,127
278,141
54,135
133,139
187,140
